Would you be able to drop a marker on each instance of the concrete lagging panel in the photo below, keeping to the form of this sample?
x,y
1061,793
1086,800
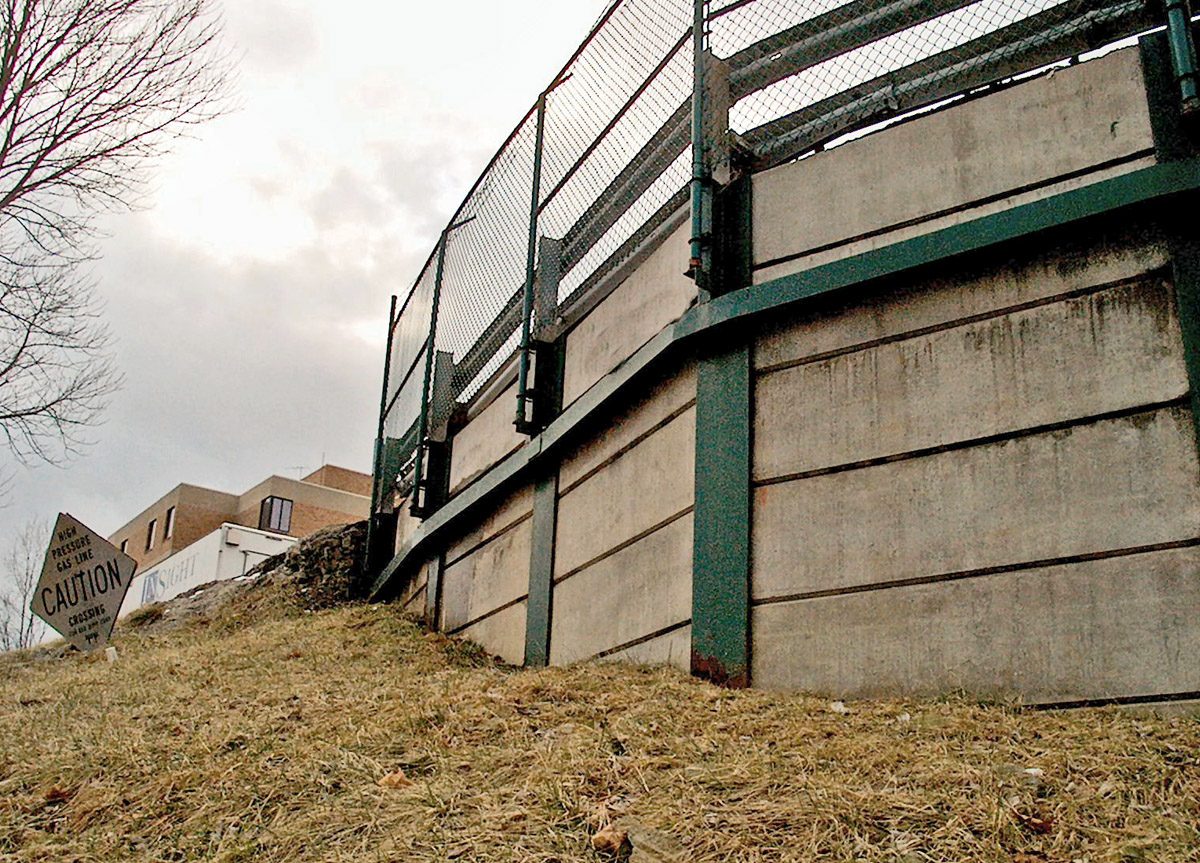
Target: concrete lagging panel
x,y
654,295
517,505
663,400
963,214
1091,630
412,596
488,566
486,439
1116,484
1108,351
1055,125
502,634
648,485
492,575
642,589
406,522
982,289
671,648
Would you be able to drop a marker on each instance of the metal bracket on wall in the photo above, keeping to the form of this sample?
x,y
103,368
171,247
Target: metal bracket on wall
x,y
1183,55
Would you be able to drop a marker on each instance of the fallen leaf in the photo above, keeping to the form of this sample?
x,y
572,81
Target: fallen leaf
x,y
59,795
395,779
1035,823
609,839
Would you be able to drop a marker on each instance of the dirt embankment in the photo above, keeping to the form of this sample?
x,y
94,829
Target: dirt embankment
x,y
321,571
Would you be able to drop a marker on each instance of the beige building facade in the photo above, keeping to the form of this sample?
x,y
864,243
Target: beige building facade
x,y
291,507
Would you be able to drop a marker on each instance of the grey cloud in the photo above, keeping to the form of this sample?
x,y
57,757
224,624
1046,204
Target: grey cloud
x,y
347,199
282,37
231,374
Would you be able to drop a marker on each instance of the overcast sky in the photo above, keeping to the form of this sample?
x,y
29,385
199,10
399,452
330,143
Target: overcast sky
x,y
249,295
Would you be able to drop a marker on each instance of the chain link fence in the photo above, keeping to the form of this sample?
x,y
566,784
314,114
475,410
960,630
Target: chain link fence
x,y
608,147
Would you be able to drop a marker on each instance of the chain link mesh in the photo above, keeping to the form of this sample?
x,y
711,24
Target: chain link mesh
x,y
616,149
616,127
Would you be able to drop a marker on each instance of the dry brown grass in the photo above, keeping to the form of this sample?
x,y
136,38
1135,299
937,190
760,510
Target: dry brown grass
x,y
267,742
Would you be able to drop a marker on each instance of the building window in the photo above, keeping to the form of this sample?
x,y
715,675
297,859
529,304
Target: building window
x,y
124,546
150,533
275,514
169,525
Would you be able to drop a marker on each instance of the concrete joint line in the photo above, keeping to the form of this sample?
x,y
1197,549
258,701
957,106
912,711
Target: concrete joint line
x,y
616,549
982,572
642,639
483,543
642,438
492,613
987,440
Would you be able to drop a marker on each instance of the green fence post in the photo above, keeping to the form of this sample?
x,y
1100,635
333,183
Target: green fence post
x,y
377,465
433,593
721,545
541,569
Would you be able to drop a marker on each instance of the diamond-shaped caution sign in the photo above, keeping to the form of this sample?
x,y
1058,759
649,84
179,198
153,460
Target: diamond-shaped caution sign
x,y
84,580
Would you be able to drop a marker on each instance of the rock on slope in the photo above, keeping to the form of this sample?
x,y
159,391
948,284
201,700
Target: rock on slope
x,y
323,570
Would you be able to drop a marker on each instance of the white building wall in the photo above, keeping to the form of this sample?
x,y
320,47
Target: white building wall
x,y
229,551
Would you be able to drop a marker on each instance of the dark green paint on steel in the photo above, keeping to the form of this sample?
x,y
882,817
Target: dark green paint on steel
x,y
541,570
433,593
721,543
1171,184
733,242
1171,140
1175,142
1147,184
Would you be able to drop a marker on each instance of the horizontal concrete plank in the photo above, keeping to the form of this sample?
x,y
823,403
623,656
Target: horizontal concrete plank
x,y
1094,354
663,398
673,648
415,585
639,590
512,508
502,634
485,440
962,293
654,295
406,522
1120,483
486,578
1099,629
644,487
925,225
1043,128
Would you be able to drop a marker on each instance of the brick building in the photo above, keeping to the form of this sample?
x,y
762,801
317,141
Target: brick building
x,y
294,507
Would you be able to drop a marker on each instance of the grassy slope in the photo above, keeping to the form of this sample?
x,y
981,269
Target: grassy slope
x,y
266,742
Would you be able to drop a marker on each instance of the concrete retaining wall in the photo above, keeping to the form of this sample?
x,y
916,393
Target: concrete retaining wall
x,y
982,476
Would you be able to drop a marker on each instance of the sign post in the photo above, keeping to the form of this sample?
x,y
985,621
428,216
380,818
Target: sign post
x,y
84,580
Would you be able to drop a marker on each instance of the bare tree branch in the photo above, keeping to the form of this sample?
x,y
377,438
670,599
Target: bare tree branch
x,y
91,93
20,568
